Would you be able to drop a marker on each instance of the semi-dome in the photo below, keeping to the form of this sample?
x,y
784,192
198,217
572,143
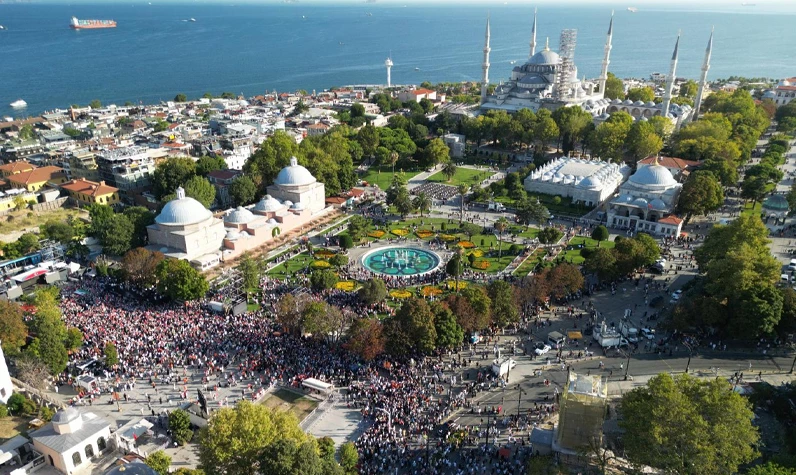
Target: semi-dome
x,y
183,210
776,203
240,216
653,175
267,204
65,416
294,175
640,202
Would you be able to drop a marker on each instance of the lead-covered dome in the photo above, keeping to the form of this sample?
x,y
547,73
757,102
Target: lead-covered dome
x,y
240,216
545,58
590,182
653,175
294,175
268,204
65,416
183,210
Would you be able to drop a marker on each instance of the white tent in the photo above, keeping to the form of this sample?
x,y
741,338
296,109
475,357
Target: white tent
x,y
317,385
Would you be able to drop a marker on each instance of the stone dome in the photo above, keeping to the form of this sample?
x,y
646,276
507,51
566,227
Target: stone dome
x,y
240,216
65,416
267,204
232,234
297,207
776,203
640,202
294,175
183,210
590,182
658,204
132,469
653,176
545,57
288,203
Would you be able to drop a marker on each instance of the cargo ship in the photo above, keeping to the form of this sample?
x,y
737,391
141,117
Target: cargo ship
x,y
91,24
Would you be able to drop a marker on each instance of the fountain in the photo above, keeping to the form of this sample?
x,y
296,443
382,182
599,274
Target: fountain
x,y
401,261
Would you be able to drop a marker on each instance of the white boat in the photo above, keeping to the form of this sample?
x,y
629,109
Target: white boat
x,y
512,62
632,9
417,69
8,119
192,19
2,27
19,104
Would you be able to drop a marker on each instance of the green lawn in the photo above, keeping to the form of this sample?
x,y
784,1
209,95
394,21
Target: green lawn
x,y
292,265
284,400
382,176
572,254
468,176
748,209
564,207
531,262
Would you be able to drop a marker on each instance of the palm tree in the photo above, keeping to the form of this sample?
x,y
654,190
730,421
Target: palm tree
x,y
393,160
449,169
500,226
422,203
462,189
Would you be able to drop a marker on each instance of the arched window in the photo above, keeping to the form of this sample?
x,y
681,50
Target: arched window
x,y
50,458
101,443
89,451
76,459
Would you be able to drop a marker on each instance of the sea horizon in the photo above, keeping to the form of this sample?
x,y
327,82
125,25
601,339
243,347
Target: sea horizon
x,y
156,53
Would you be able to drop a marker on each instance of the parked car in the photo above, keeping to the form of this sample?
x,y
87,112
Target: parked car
x,y
676,295
648,333
540,348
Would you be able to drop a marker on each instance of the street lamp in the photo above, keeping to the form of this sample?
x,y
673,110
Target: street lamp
x,y
389,417
689,358
520,392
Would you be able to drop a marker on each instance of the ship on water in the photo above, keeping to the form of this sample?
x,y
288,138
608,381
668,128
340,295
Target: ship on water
x,y
91,24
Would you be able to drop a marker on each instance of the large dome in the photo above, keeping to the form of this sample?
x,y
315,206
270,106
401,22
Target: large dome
x,y
653,175
545,57
294,175
183,210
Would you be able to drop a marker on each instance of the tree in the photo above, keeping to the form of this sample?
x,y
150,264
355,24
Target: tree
x,y
200,189
250,269
95,104
701,194
32,371
549,235
180,98
358,227
449,333
207,164
27,132
472,308
686,426
368,138
140,218
345,241
111,355
73,340
643,94
338,260
449,169
403,203
455,267
373,290
243,191
159,461
13,332
532,211
28,243
139,266
504,311
99,216
602,263
608,139
769,468
422,203
643,141
172,173
545,129
365,338
349,458
117,235
600,234
286,456
58,231
411,329
180,426
689,89
754,188
50,330
436,152
179,281
235,437
501,225
323,279
572,125
614,88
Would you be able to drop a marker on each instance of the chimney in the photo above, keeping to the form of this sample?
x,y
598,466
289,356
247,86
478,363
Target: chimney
x,y
102,183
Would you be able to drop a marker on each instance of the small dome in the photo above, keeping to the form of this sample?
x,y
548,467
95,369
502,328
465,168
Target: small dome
x,y
628,102
272,221
640,202
653,175
776,203
638,103
268,204
65,416
294,175
650,104
240,216
297,207
590,182
658,204
232,234
616,101
288,203
136,468
183,210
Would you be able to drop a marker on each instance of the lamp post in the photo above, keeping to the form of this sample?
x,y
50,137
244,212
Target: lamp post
x,y
389,417
520,392
627,365
794,361
688,365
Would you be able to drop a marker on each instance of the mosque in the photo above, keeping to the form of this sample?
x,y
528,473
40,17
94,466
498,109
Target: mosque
x,y
589,182
185,229
549,80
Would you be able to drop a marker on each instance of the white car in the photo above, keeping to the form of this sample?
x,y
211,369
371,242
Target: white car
x,y
676,295
792,265
648,333
541,348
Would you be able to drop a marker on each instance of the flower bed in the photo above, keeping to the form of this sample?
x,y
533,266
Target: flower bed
x,y
481,264
324,254
400,232
447,237
476,253
424,233
400,294
451,284
378,234
466,244
347,285
430,291
321,264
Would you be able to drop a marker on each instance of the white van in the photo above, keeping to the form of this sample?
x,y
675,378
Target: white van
x,y
556,340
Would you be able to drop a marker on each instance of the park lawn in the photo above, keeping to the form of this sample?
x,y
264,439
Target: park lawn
x,y
536,258
12,426
297,263
589,242
382,176
748,209
467,176
565,207
27,219
284,400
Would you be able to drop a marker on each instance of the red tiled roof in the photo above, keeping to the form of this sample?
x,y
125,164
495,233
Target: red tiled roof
x,y
319,125
786,88
671,219
17,167
670,162
90,188
224,174
37,175
419,92
335,200
356,192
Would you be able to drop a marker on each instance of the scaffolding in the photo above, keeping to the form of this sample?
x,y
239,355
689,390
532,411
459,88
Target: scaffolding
x,y
583,405
566,68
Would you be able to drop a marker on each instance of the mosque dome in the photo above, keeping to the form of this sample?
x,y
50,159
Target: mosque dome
x,y
268,203
658,204
240,216
65,416
288,203
183,210
653,175
294,175
649,104
273,221
297,207
545,58
638,103
590,182
776,203
640,202
232,234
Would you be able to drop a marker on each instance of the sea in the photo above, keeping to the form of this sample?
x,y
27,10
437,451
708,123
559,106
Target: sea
x,y
156,52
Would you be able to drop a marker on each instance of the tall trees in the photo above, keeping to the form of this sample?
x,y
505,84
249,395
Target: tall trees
x,y
600,234
608,139
422,203
139,266
243,191
411,329
504,310
13,332
530,210
614,88
179,281
644,94
545,129
273,155
200,189
373,290
366,338
572,124
501,225
462,189
643,140
688,427
701,194
171,174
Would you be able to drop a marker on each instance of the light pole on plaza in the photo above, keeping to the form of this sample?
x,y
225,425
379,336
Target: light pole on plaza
x,y
688,365
520,392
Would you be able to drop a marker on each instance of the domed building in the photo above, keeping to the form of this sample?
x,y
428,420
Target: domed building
x,y
185,229
296,184
587,182
646,202
72,439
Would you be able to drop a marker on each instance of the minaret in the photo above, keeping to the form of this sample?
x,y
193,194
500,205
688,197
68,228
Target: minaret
x,y
388,63
667,95
485,65
607,58
703,80
533,35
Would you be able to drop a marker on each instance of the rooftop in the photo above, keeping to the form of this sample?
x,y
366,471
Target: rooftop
x,y
88,187
37,175
17,167
669,162
61,443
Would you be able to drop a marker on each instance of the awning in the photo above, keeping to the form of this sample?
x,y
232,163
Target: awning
x,y
317,384
574,335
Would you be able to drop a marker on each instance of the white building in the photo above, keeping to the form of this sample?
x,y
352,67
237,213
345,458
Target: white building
x,y
456,143
646,203
785,91
589,182
296,184
72,439
6,388
185,229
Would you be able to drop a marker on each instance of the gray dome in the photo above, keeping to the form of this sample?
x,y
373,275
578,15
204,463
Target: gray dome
x,y
640,202
653,175
590,182
268,204
658,204
240,216
294,175
776,203
545,57
136,468
297,207
232,234
65,416
183,210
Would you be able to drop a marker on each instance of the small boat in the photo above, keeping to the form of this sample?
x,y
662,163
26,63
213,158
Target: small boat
x,y
303,17
417,69
19,104
512,61
8,119
632,9
2,27
341,43
369,14
192,19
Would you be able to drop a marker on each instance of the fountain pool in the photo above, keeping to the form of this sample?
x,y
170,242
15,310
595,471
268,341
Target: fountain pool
x,y
400,261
